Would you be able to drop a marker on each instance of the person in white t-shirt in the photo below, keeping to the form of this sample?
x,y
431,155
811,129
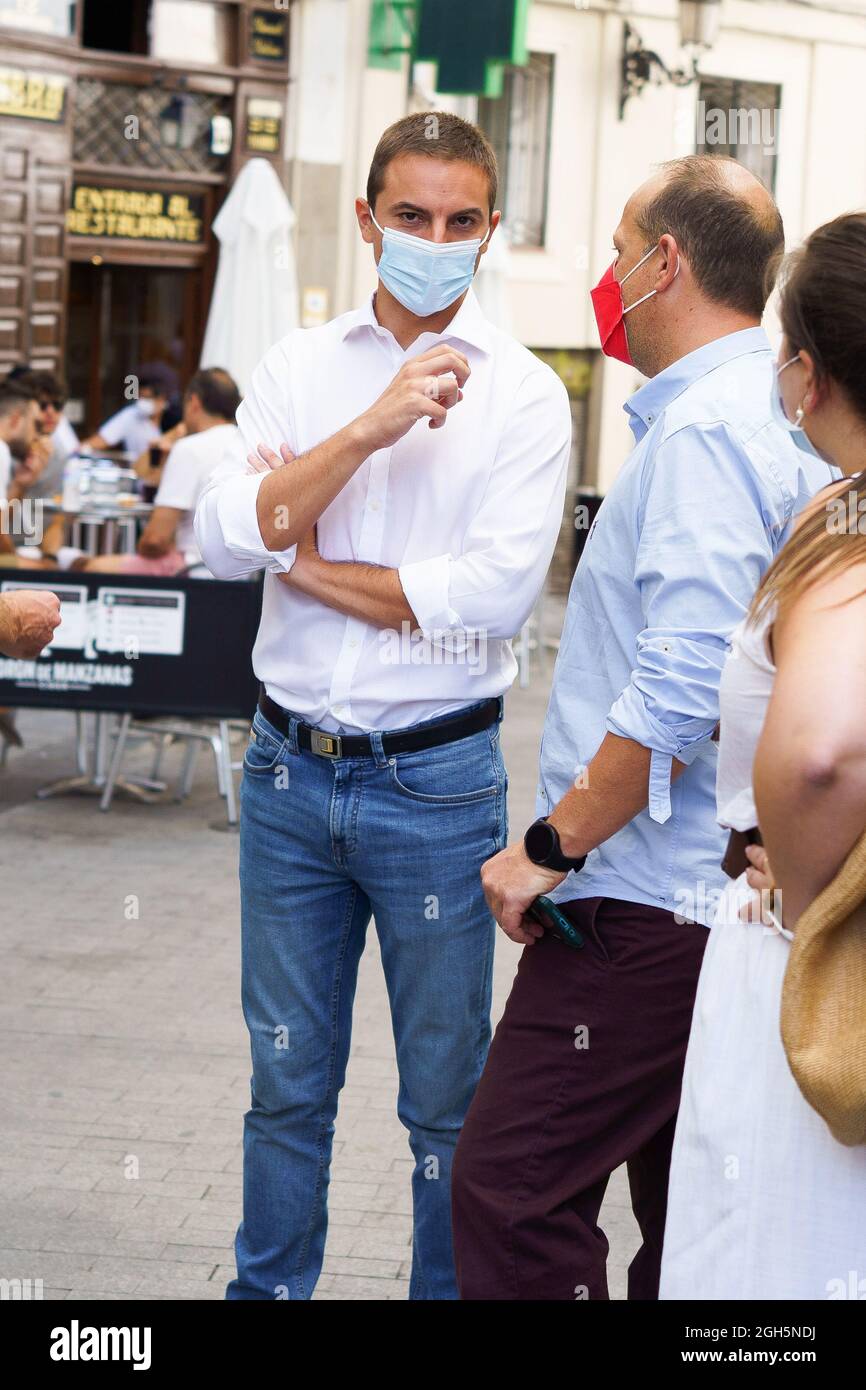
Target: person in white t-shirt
x,y
136,426
168,544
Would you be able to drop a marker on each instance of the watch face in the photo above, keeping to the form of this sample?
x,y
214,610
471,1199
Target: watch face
x,y
539,841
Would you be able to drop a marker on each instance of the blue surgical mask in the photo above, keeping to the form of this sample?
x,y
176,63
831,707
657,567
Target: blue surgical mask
x,y
795,426
426,276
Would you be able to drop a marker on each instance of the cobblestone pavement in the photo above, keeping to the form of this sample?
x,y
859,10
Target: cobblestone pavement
x,y
126,1059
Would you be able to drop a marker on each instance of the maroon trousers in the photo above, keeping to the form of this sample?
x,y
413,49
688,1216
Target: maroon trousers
x,y
584,1074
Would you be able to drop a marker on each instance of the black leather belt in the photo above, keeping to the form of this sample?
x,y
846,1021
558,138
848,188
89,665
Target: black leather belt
x,y
328,745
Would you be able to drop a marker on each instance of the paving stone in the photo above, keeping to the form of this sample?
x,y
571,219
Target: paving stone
x,y
127,1038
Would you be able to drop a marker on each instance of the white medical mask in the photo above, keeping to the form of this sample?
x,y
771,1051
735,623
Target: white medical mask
x,y
795,426
426,276
145,405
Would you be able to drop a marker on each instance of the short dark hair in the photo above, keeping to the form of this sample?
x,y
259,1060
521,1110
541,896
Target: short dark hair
x,y
439,135
217,392
158,377
733,247
45,386
14,396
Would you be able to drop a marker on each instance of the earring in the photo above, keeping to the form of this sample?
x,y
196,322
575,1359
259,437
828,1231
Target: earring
x,y
798,418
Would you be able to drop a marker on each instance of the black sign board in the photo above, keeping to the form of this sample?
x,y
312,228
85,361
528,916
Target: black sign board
x,y
269,36
153,646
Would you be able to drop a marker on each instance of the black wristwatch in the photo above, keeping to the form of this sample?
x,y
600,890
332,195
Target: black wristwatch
x,y
542,846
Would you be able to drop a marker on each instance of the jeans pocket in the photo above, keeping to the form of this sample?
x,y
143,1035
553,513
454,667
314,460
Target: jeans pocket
x,y
451,774
264,752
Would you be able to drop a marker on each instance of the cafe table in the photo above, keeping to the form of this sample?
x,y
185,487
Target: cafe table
x,y
103,528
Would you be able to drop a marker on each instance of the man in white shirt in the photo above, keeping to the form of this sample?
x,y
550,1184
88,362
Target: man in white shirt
x,y
406,532
136,426
39,476
212,441
19,415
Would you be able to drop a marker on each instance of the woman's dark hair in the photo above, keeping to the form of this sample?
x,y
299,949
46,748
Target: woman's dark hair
x,y
823,312
823,308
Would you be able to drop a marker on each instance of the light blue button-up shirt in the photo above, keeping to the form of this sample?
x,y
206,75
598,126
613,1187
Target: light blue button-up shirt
x,y
694,518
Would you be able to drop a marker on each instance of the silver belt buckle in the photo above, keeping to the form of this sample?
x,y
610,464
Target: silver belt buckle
x,y
326,745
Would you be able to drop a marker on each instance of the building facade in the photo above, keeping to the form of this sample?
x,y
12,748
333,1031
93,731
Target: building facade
x,y
122,126
781,88
121,129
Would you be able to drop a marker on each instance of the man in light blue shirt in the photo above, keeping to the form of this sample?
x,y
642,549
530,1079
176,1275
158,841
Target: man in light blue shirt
x,y
585,1069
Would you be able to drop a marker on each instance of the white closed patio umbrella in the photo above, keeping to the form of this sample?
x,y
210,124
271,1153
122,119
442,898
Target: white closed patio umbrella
x,y
255,296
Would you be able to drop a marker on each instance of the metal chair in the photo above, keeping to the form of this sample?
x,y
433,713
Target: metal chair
x,y
194,732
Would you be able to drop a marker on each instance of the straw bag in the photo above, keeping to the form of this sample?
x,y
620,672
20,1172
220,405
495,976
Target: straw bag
x,y
824,1001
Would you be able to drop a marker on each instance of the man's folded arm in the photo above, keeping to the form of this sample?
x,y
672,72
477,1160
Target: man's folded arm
x,y
226,521
492,586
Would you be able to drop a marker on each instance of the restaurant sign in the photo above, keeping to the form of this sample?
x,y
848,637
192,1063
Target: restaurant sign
x,y
264,125
32,96
127,214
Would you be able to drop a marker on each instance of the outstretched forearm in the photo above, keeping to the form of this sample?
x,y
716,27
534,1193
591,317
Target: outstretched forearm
x,y
612,790
372,593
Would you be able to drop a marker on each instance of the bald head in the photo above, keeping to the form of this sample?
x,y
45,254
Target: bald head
x,y
725,224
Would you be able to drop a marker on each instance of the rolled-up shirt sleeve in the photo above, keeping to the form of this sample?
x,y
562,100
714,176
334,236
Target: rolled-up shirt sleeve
x,y
704,545
226,520
491,587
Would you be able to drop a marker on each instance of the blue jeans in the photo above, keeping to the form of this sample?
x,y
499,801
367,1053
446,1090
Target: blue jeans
x,y
325,845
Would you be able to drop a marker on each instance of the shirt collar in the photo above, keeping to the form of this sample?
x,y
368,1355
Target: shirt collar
x,y
647,404
468,326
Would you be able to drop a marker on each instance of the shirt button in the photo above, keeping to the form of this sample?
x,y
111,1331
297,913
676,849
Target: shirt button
x,y
374,505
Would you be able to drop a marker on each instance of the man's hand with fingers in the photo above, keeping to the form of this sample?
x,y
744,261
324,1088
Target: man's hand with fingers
x,y
265,460
426,387
28,621
418,390
511,882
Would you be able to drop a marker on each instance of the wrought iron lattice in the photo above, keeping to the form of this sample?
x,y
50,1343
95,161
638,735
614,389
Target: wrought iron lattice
x,y
118,123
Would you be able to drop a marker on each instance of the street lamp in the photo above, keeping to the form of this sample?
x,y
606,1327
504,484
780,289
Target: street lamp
x,y
177,123
699,27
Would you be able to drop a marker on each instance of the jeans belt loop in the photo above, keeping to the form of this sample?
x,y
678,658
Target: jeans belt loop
x,y
292,737
377,749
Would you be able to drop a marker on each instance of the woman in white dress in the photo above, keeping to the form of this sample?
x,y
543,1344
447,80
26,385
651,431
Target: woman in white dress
x,y
764,1203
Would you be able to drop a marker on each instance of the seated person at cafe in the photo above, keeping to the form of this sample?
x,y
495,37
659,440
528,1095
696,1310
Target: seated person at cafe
x,y
19,416
39,476
168,543
134,428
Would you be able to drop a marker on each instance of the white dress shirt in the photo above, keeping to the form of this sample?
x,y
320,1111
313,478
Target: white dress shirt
x,y
468,514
